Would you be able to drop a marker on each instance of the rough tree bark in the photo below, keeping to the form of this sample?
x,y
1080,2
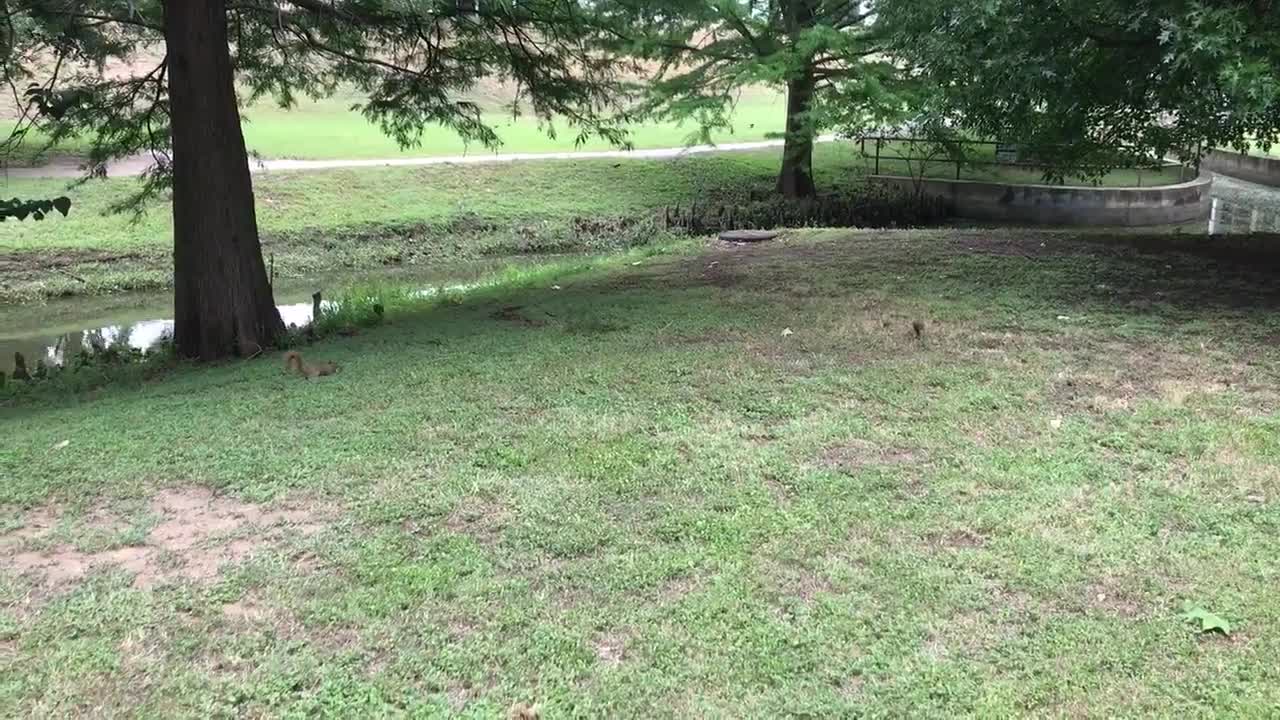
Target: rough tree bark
x,y
223,304
796,177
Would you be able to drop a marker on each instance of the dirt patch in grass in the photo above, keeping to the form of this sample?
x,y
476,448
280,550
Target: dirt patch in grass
x,y
198,534
678,588
515,314
1254,476
855,455
254,613
1118,376
1176,391
480,520
462,628
963,539
610,648
35,524
1110,596
779,491
715,273
1226,471
1123,263
972,633
792,581
459,693
710,336
1007,247
248,611
852,687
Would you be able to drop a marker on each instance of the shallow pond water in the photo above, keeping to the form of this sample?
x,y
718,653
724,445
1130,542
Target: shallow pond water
x,y
59,330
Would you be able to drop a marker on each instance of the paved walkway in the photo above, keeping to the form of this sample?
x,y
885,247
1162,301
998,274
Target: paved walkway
x,y
70,168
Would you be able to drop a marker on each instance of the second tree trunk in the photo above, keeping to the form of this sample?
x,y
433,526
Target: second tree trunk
x,y
796,178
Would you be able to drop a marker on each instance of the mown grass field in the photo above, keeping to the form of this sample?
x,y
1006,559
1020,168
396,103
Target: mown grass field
x,y
330,129
721,482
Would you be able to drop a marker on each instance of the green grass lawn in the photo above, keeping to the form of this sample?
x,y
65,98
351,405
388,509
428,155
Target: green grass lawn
x,y
330,129
638,496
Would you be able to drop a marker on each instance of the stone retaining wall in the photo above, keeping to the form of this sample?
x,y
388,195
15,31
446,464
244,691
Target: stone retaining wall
x,y
1263,170
1068,205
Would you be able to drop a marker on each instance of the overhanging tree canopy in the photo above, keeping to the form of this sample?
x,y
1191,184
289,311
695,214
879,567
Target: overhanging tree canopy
x,y
1079,79
411,58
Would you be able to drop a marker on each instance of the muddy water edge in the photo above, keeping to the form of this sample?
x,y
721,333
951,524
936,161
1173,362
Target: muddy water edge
x,y
57,331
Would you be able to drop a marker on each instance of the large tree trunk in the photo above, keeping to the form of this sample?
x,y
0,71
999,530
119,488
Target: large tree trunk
x,y
222,298
796,178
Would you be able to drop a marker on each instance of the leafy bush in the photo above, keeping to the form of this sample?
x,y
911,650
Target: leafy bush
x,y
35,209
872,206
363,306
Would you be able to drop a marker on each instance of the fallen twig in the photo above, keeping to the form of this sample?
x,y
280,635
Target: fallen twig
x,y
71,275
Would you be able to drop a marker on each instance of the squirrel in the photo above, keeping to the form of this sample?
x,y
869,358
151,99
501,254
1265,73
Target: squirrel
x,y
522,711
293,362
20,367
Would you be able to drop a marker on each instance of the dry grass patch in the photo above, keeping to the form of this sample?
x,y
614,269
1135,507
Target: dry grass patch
x,y
789,581
963,539
481,520
1118,376
969,634
610,648
1112,596
677,589
856,455
198,534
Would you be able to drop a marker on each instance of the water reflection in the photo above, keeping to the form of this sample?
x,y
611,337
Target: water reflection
x,y
123,332
142,336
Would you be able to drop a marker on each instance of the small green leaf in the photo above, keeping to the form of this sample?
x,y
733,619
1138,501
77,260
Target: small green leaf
x,y
1209,622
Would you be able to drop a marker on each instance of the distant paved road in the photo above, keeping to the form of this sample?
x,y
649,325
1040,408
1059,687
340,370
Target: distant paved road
x,y
128,167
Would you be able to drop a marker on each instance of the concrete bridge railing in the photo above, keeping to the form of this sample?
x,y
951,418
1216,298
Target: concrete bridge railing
x,y
1066,204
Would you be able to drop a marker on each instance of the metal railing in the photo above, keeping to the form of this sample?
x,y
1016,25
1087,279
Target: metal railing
x,y
959,154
